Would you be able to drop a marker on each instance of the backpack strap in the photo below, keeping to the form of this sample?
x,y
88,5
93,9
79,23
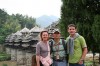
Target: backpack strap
x,y
64,45
51,46
65,48
51,49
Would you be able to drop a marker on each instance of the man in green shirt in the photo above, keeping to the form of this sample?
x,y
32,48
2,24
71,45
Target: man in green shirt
x,y
77,48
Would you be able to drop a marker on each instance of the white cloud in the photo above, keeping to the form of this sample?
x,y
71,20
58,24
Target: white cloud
x,y
34,8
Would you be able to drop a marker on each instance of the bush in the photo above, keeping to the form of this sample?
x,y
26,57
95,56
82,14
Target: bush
x,y
4,56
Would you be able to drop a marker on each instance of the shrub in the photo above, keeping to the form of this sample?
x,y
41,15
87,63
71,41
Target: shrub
x,y
4,56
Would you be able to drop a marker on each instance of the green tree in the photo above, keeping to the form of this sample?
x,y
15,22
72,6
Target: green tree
x,y
11,25
96,33
81,13
29,22
96,27
3,17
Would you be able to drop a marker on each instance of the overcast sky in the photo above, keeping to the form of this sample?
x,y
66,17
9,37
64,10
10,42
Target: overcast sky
x,y
34,8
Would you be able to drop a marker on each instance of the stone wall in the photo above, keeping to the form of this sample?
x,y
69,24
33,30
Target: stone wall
x,y
22,57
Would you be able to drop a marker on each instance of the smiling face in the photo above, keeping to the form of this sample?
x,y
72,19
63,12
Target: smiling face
x,y
72,30
44,36
56,36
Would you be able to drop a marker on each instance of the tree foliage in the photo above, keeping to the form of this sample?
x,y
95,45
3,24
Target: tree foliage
x,y
3,17
82,13
29,22
96,33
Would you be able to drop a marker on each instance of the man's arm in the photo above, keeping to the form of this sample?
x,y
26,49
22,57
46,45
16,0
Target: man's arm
x,y
83,55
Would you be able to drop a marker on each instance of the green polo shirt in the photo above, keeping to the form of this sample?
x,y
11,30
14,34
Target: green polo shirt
x,y
79,43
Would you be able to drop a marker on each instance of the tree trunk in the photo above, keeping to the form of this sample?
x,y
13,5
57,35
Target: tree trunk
x,y
93,59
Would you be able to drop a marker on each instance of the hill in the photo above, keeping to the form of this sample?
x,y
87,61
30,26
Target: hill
x,y
45,20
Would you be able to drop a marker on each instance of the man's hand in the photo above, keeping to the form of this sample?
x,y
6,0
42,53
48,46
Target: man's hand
x,y
81,61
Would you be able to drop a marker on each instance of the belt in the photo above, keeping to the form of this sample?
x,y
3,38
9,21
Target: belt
x,y
58,60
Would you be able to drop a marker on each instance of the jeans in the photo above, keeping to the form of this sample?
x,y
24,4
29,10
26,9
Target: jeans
x,y
75,64
59,63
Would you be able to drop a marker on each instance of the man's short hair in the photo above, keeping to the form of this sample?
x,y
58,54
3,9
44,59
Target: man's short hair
x,y
72,25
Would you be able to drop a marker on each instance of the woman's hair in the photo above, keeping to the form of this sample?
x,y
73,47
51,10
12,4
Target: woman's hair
x,y
42,33
72,25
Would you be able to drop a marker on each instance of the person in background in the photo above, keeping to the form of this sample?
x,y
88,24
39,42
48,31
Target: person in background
x,y
58,52
76,46
43,50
